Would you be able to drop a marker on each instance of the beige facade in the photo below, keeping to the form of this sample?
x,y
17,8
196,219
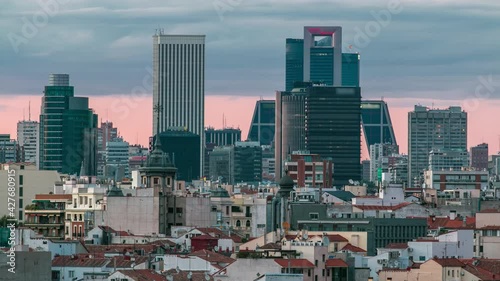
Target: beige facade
x,y
28,182
428,271
357,190
487,238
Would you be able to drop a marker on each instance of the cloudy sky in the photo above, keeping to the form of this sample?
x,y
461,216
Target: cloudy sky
x,y
437,52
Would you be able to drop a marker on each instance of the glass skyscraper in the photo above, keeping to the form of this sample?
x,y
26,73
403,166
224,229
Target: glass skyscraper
x,y
263,124
377,125
68,130
320,55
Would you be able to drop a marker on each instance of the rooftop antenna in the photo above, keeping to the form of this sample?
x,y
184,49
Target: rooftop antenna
x,y
29,110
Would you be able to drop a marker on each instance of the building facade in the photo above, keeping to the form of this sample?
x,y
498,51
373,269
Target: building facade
x,y
117,160
179,86
430,129
68,134
310,170
377,124
221,137
247,162
262,127
379,160
479,156
9,149
448,159
28,140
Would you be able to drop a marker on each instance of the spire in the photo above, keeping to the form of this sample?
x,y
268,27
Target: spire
x,y
82,170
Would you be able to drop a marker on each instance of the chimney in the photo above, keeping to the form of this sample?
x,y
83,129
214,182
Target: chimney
x,y
453,214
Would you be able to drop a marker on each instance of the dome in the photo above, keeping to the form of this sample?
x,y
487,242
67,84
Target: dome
x,y
286,182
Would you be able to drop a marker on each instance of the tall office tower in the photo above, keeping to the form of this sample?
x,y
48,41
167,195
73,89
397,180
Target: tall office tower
x,y
377,125
399,170
9,149
179,85
226,136
430,129
479,156
365,170
28,140
323,120
247,162
263,122
68,134
379,153
317,58
333,120
290,125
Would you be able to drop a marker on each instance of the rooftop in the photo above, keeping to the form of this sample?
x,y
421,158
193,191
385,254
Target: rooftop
x,y
351,248
143,275
294,263
336,263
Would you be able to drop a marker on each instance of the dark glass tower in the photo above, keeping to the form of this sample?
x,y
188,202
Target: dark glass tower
x,y
377,125
68,130
263,122
333,119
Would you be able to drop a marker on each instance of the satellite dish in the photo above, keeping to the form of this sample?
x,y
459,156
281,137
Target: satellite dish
x,y
207,277
216,248
351,182
170,278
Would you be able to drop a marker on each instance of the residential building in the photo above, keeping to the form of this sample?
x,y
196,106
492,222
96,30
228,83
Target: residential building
x,y
268,163
221,137
365,170
46,215
316,58
177,59
309,170
379,159
447,159
430,129
453,244
27,238
29,182
68,130
466,179
479,156
263,123
107,132
377,124
28,139
182,147
487,234
9,149
399,170
137,274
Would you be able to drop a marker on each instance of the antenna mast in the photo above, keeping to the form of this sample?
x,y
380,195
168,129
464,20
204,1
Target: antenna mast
x,y
29,111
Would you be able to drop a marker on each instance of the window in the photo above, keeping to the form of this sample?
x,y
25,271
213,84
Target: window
x,y
71,273
90,202
238,223
20,191
21,179
309,272
156,180
178,210
314,216
168,181
421,258
315,262
247,224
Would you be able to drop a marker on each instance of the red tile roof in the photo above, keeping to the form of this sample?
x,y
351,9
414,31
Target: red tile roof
x,y
485,269
143,275
351,248
382,208
446,222
215,232
204,237
271,246
490,211
396,246
126,261
450,262
212,257
490,227
336,238
122,248
183,275
294,263
336,263
79,261
53,197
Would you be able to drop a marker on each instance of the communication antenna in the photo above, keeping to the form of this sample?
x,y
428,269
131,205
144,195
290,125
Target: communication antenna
x,y
29,111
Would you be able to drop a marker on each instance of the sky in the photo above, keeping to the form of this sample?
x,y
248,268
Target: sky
x,y
431,52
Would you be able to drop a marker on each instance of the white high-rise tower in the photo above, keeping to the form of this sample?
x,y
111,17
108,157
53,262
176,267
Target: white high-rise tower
x,y
179,84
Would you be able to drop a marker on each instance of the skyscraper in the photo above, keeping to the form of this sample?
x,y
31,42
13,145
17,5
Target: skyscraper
x,y
263,124
323,120
68,135
430,129
226,136
179,85
378,154
28,140
479,156
377,124
317,58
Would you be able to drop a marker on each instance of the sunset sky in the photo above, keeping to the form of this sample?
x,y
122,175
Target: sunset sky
x,y
432,52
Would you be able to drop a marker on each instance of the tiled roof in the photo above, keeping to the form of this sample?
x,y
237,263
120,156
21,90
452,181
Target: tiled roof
x,y
485,269
126,261
294,263
212,257
450,262
164,242
396,246
342,195
183,275
215,232
351,248
446,222
336,238
122,248
204,237
490,211
143,275
336,263
271,246
79,261
490,227
383,208
53,197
